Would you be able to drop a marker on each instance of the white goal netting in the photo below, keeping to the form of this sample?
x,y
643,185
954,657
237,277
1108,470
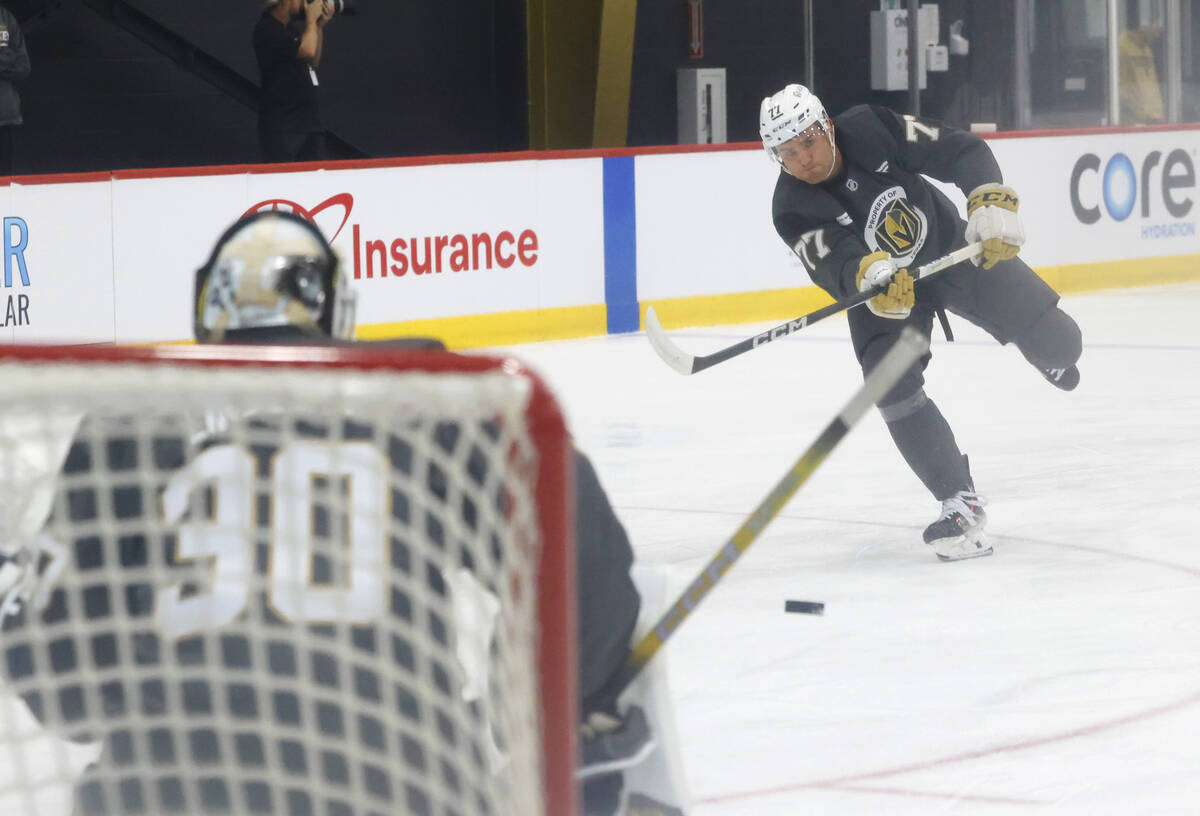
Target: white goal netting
x,y
281,588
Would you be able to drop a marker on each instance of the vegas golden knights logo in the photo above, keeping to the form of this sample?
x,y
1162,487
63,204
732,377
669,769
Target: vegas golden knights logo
x,y
899,230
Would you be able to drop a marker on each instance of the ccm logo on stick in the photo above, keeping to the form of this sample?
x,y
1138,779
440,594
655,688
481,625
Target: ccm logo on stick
x,y
1119,185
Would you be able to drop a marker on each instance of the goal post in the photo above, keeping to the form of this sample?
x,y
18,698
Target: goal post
x,y
276,579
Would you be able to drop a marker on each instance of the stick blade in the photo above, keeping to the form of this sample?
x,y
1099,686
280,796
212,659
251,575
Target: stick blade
x,y
670,353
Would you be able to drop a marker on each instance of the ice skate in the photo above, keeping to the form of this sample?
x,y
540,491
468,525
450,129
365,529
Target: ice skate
x,y
641,805
958,533
613,743
1064,378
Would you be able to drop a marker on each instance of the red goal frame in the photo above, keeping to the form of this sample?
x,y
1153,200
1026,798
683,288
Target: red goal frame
x,y
556,579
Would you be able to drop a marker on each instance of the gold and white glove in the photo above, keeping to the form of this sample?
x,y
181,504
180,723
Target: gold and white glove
x,y
992,218
897,300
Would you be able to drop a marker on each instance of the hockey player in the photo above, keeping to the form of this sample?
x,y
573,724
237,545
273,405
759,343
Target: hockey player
x,y
272,278
614,737
851,202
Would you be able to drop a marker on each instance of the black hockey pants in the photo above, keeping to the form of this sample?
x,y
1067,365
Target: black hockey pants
x,y
608,601
1011,303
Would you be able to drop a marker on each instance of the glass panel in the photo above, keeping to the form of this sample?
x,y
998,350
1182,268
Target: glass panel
x,y
1070,54
1068,63
1190,59
1142,57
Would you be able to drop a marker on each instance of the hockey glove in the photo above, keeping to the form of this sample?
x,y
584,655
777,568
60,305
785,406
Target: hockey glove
x,y
897,300
992,218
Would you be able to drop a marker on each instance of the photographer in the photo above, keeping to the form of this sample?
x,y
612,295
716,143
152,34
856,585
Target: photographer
x,y
289,121
14,67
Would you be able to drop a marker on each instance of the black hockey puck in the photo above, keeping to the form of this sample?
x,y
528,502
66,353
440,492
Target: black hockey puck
x,y
807,607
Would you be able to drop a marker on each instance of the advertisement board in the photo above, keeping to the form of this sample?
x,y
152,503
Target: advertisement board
x,y
418,243
1094,198
162,231
704,220
498,249
704,226
58,263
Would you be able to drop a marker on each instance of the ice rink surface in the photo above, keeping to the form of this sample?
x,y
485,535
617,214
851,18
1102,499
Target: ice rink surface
x,y
1060,675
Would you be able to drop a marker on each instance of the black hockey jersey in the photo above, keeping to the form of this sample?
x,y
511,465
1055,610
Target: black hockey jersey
x,y
879,201
243,705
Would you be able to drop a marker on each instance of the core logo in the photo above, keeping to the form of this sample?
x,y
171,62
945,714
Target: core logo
x,y
1120,186
397,256
16,241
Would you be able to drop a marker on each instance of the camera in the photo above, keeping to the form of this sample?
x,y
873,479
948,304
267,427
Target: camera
x,y
342,6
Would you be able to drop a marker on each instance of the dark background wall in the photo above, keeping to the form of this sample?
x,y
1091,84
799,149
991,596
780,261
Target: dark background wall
x,y
442,77
98,98
396,79
760,43
563,60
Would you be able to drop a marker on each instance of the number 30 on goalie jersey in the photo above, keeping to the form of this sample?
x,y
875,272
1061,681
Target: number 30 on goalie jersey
x,y
224,479
229,537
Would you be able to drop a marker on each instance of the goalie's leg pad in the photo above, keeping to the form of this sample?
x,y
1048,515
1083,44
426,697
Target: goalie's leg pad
x,y
660,777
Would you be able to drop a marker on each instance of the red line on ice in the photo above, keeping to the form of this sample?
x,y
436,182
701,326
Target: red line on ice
x,y
846,782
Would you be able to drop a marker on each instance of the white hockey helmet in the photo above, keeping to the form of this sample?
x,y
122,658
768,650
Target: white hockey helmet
x,y
785,115
272,276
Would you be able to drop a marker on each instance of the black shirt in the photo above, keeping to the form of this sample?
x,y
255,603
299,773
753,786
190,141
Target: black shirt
x,y
289,96
281,714
14,67
880,201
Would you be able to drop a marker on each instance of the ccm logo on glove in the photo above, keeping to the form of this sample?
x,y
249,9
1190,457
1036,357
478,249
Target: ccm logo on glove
x,y
992,218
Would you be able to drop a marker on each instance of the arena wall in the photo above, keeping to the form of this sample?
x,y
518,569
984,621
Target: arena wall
x,y
508,248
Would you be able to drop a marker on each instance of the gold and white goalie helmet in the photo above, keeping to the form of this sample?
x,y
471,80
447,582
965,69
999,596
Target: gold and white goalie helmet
x,y
272,277
785,115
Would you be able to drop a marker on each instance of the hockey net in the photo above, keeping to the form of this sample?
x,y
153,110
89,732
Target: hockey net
x,y
254,580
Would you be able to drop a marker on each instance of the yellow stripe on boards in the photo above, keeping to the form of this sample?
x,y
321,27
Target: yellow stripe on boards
x,y
536,325
736,307
784,304
499,328
1123,274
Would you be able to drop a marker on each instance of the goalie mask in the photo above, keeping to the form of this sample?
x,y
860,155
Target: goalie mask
x,y
272,277
789,113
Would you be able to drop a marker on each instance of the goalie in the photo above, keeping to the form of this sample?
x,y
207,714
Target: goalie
x,y
852,203
271,278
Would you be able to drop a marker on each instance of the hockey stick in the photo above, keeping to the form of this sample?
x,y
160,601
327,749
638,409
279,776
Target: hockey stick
x,y
685,363
903,354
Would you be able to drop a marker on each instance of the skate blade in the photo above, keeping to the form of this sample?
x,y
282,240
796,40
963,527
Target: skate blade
x,y
619,764
961,548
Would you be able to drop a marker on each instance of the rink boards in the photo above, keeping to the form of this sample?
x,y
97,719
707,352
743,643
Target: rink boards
x,y
509,248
